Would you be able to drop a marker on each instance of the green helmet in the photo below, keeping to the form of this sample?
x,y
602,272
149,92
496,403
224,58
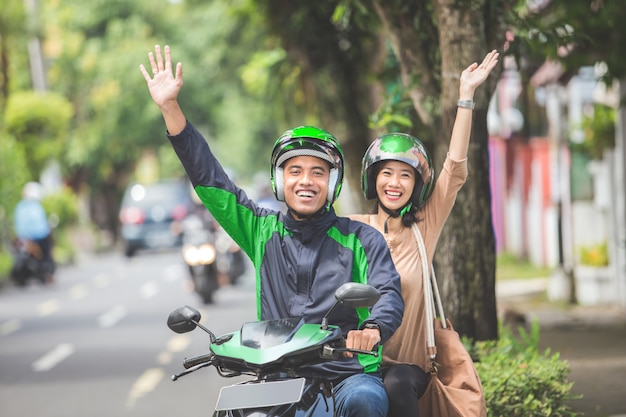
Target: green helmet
x,y
404,148
307,141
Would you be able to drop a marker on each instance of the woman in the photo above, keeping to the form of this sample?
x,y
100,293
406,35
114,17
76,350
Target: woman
x,y
397,171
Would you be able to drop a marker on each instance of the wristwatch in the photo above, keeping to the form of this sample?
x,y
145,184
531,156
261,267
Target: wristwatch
x,y
468,104
371,325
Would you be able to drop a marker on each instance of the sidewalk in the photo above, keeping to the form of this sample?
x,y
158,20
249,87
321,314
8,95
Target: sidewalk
x,y
591,339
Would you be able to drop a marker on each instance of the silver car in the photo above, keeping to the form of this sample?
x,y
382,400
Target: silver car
x,y
151,214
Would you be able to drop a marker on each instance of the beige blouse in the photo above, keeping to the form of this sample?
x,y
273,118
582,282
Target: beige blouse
x,y
408,344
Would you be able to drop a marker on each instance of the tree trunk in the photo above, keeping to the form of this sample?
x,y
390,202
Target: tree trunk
x,y
465,257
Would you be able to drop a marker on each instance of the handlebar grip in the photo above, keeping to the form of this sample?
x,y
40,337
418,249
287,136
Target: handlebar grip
x,y
197,360
364,352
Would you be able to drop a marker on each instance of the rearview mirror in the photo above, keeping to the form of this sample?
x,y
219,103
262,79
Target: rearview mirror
x,y
357,295
183,319
353,295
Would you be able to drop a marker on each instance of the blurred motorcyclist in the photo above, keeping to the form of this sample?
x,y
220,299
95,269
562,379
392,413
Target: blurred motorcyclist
x,y
31,223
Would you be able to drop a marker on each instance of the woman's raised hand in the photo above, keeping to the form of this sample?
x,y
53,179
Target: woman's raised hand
x,y
476,74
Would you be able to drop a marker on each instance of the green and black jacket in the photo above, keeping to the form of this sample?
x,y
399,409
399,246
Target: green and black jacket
x,y
299,264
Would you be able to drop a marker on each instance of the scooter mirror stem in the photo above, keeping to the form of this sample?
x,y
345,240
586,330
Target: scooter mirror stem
x,y
325,319
212,336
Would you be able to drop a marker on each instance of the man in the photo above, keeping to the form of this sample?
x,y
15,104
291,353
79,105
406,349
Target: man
x,y
303,256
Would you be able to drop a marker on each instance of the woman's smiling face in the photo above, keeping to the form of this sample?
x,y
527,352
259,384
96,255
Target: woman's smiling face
x,y
394,184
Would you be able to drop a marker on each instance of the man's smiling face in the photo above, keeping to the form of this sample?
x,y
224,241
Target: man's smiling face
x,y
306,184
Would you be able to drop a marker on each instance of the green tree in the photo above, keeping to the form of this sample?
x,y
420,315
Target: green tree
x,y
95,50
12,175
12,28
39,122
576,33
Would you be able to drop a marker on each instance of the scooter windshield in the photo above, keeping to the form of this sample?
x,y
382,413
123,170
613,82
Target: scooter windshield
x,y
269,333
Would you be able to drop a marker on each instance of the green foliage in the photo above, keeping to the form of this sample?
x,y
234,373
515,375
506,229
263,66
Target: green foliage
x,y
12,174
6,262
62,207
395,114
594,255
521,381
115,120
62,210
12,17
590,31
599,131
509,266
39,122
13,29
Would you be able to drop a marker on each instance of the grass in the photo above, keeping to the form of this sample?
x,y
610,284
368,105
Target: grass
x,y
508,266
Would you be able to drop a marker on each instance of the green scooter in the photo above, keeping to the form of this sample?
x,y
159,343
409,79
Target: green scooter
x,y
273,351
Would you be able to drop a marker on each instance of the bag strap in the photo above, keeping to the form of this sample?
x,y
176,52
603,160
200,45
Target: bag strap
x,y
431,294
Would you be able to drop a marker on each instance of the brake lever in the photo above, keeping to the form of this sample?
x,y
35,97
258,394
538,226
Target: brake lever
x,y
190,370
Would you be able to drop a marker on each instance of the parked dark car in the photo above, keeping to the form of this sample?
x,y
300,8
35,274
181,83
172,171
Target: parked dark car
x,y
151,214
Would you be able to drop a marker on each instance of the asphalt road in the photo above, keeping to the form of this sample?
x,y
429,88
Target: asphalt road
x,y
97,344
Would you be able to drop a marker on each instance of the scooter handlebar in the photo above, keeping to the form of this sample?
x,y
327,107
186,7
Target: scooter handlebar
x,y
329,352
197,360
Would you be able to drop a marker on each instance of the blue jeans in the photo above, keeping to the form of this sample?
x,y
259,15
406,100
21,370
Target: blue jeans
x,y
361,395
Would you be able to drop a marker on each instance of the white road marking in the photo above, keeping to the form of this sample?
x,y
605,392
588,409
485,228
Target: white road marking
x,y
151,377
48,307
78,291
102,280
111,317
52,358
164,358
149,290
144,384
10,326
178,343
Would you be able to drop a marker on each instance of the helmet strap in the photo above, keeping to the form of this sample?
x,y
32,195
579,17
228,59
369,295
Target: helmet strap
x,y
392,213
395,213
406,209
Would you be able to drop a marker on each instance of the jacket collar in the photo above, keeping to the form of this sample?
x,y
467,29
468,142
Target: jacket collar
x,y
308,229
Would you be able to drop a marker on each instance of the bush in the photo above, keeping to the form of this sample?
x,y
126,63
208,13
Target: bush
x,y
519,380
39,122
599,130
62,207
62,210
6,263
595,255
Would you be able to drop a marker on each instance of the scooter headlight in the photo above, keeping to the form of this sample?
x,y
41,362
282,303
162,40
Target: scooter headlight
x,y
206,254
191,255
